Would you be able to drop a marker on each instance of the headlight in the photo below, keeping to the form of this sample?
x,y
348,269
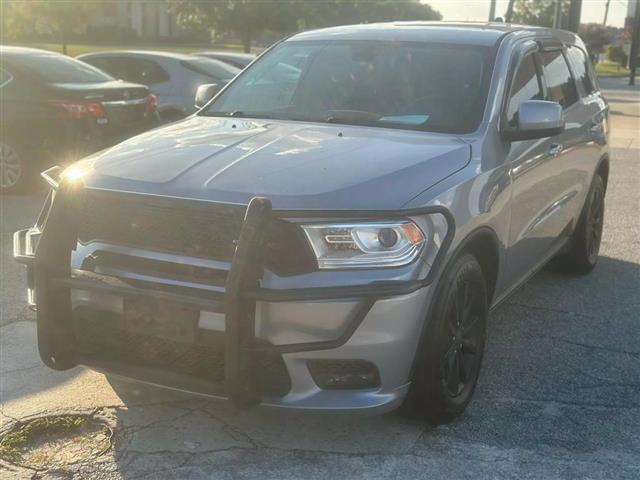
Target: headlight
x,y
365,245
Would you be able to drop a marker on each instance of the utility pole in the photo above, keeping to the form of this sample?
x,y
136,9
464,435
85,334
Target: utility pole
x,y
635,40
606,13
492,11
575,12
557,15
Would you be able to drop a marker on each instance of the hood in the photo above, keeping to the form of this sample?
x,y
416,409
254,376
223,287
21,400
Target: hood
x,y
296,165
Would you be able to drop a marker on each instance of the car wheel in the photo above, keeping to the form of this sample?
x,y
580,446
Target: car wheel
x,y
450,353
13,170
582,256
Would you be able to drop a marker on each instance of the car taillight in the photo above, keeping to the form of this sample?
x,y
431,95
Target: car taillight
x,y
70,109
152,104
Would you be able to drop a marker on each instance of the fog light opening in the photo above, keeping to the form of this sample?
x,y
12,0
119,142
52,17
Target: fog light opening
x,y
344,374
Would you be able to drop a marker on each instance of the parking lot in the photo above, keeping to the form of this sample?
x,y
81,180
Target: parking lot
x,y
559,393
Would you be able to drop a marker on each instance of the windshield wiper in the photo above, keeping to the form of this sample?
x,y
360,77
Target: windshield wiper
x,y
239,114
355,117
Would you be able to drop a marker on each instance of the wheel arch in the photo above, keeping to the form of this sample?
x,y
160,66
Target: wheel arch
x,y
484,245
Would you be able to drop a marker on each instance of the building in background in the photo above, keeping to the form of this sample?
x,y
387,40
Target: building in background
x,y
147,18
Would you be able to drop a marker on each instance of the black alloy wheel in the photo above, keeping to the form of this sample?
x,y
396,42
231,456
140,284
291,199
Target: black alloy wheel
x,y
583,249
450,352
594,224
461,361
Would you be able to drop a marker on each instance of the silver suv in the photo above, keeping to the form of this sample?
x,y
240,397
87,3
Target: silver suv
x,y
332,229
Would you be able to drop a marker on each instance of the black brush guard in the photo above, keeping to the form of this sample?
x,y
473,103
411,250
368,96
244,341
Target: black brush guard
x,y
50,272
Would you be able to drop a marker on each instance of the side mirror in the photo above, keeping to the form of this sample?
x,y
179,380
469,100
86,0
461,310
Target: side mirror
x,y
537,119
205,93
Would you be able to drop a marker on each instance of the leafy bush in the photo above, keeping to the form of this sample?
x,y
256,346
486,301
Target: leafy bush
x,y
616,54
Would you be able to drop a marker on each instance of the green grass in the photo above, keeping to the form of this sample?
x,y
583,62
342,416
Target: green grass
x,y
78,49
13,442
611,69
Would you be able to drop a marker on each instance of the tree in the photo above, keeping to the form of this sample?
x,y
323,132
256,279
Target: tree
x,y
538,12
247,18
595,37
315,14
616,54
58,17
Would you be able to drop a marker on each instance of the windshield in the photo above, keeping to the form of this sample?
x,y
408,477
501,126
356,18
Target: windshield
x,y
432,87
61,69
212,68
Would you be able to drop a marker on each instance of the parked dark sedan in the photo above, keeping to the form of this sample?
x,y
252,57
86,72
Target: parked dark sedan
x,y
238,60
56,109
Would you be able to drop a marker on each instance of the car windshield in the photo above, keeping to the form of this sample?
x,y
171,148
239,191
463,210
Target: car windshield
x,y
61,69
420,86
212,68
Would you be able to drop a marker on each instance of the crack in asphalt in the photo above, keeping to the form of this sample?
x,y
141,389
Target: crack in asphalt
x,y
590,346
547,402
549,309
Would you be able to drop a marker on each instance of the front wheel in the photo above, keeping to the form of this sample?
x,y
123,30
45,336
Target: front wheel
x,y
450,354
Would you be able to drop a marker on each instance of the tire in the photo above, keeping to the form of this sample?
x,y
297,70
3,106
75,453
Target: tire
x,y
14,168
584,246
450,353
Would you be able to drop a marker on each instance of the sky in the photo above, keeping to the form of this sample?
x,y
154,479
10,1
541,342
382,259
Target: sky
x,y
592,10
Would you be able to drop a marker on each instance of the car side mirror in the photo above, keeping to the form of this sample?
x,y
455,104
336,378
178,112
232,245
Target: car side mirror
x,y
536,119
205,93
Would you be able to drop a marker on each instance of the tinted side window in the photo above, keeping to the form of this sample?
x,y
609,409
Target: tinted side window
x,y
581,69
560,86
138,70
526,86
110,65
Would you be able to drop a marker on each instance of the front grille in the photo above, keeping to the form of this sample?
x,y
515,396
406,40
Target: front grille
x,y
100,335
191,228
197,230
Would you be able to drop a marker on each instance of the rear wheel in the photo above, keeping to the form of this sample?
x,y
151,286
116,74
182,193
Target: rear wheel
x,y
13,169
451,351
585,242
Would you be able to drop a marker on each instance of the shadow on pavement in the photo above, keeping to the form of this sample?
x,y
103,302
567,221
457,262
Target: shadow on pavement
x,y
561,375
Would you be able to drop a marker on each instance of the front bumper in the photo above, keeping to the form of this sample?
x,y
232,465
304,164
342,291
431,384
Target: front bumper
x,y
383,323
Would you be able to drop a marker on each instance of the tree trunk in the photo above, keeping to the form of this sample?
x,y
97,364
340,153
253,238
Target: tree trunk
x,y
64,39
509,13
246,39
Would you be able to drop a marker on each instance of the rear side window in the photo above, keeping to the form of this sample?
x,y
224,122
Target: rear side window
x,y
560,86
105,64
143,71
580,64
526,86
212,68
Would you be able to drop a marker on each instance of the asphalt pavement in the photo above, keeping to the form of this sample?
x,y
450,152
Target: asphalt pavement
x,y
558,396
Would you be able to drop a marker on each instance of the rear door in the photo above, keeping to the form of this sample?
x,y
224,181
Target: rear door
x,y
591,114
577,151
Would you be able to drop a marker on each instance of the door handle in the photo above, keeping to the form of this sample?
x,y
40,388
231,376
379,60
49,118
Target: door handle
x,y
555,149
595,128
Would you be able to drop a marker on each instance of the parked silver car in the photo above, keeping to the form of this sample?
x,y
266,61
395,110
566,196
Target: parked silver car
x,y
239,60
331,231
172,77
